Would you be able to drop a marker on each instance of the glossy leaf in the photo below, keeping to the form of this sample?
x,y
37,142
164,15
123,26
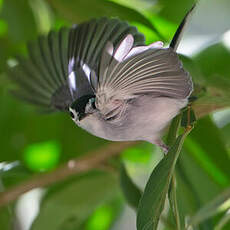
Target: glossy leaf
x,y
153,199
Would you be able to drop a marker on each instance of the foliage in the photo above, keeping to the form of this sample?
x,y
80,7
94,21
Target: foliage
x,y
193,196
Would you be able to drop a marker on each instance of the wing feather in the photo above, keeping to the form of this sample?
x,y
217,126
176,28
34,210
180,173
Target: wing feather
x,y
44,77
155,71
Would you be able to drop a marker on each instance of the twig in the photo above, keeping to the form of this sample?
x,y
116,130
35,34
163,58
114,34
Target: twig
x,y
73,167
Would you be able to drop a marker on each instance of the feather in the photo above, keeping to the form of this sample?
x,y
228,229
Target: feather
x,y
179,32
136,70
65,65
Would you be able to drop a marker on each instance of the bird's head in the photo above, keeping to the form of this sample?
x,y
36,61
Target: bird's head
x,y
82,107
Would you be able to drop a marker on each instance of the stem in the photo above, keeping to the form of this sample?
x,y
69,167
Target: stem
x,y
73,167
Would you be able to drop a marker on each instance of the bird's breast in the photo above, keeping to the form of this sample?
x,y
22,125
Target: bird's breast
x,y
143,120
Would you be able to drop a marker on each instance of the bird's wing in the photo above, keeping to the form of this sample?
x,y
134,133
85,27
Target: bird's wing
x,y
59,65
155,71
127,71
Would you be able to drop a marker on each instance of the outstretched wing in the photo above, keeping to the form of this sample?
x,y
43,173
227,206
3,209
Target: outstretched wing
x,y
156,71
128,71
58,68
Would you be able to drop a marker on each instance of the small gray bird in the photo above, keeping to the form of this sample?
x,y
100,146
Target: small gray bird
x,y
112,84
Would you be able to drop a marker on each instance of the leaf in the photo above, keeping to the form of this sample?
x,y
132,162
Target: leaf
x,y
153,199
206,144
172,195
213,63
131,192
224,220
75,200
214,66
79,11
173,130
174,10
219,204
188,117
195,187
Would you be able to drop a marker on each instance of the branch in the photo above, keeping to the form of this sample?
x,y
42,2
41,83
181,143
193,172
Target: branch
x,y
72,167
79,165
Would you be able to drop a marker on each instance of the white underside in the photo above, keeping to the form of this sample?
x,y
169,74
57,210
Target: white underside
x,y
143,120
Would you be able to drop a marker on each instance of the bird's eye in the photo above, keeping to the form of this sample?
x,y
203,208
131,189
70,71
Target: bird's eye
x,y
92,102
72,114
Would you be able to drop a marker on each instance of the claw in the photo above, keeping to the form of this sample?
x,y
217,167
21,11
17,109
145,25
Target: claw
x,y
162,145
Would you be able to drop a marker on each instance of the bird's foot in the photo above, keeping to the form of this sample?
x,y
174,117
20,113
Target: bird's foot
x,y
162,145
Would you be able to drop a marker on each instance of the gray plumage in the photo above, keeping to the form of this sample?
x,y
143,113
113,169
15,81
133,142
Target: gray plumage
x,y
114,86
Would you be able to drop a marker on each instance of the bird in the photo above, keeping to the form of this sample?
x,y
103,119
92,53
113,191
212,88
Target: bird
x,y
110,82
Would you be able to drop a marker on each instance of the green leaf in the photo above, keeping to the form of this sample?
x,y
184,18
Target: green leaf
x,y
172,194
79,11
206,144
213,63
174,11
173,130
219,204
153,199
195,187
131,192
214,66
75,200
188,117
224,220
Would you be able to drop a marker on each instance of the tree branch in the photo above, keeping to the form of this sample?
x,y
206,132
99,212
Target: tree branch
x,y
80,165
72,167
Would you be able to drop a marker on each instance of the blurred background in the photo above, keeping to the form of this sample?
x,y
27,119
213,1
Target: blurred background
x,y
33,143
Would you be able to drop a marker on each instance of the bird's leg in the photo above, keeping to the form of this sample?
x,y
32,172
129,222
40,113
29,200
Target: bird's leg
x,y
162,145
